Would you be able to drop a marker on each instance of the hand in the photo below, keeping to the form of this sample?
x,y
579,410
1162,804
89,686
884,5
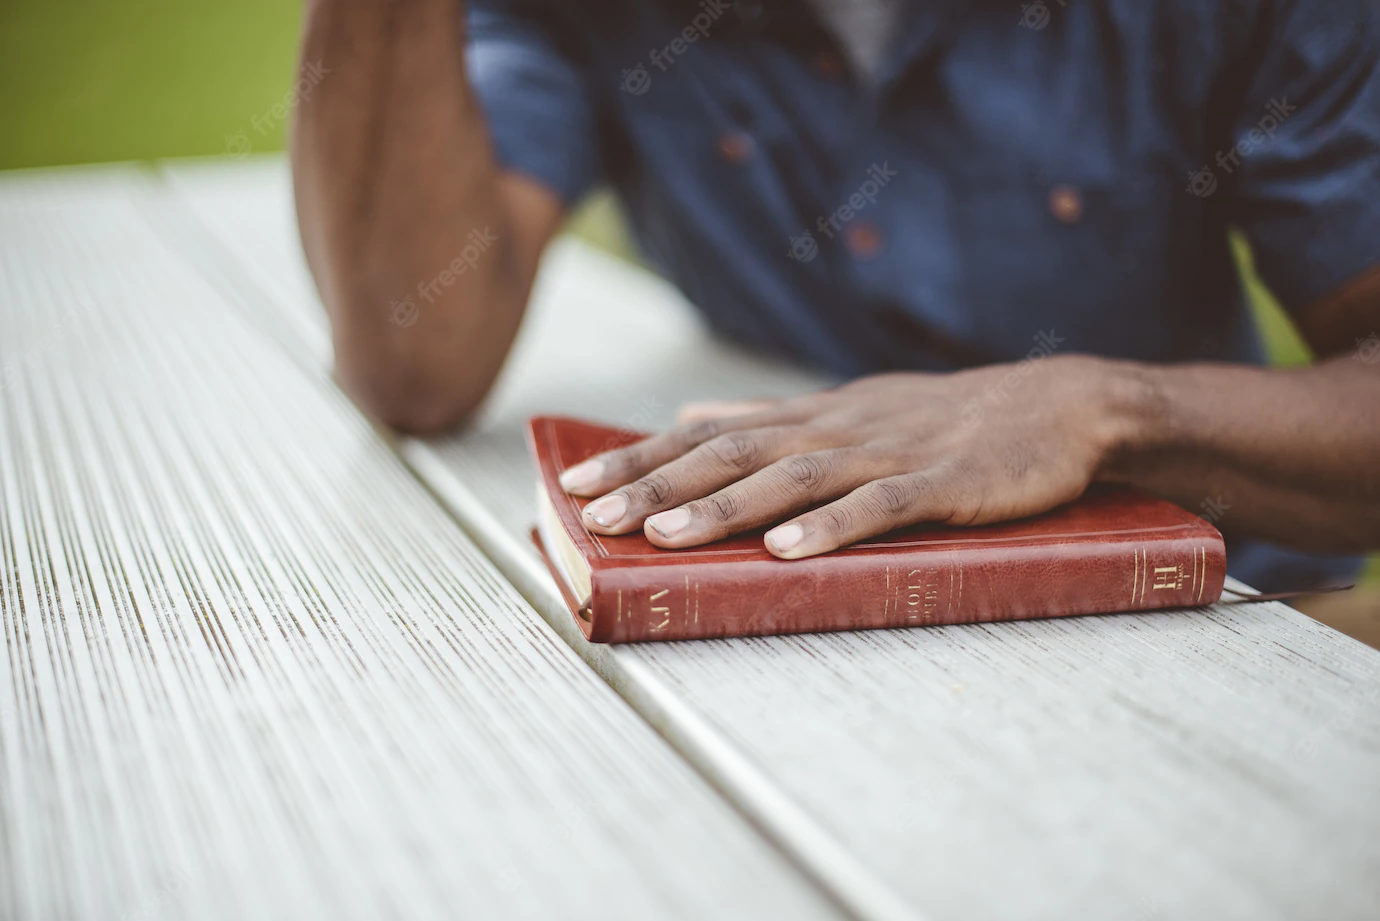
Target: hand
x,y
883,452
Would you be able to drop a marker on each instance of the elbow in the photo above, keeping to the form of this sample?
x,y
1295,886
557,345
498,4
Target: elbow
x,y
422,380
406,397
421,414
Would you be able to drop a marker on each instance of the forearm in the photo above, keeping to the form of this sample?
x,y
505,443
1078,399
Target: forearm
x,y
394,183
1286,455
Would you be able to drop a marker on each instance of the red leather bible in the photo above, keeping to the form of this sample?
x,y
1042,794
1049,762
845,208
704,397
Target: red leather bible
x,y
1112,550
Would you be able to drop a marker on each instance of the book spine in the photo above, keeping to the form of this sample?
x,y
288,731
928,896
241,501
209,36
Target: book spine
x,y
907,588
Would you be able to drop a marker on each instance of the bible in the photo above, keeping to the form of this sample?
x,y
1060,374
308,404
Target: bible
x,y
1114,549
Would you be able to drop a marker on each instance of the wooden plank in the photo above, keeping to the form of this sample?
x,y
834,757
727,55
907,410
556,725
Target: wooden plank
x,y
251,669
1215,763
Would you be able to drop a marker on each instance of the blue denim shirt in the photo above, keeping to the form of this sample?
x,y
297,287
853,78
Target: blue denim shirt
x,y
1015,175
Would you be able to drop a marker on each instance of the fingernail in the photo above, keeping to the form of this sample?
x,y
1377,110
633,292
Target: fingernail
x,y
786,537
669,524
608,511
582,476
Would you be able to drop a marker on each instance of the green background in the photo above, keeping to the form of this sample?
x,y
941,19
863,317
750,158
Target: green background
x,y
144,79
139,79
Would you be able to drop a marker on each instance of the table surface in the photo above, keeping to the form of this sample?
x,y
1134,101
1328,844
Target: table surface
x,y
252,669
1214,763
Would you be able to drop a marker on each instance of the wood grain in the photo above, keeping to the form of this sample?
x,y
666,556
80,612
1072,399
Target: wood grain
x,y
1213,763
252,670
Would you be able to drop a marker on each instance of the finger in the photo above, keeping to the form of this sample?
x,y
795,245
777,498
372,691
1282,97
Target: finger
x,y
783,488
872,509
619,467
720,409
706,468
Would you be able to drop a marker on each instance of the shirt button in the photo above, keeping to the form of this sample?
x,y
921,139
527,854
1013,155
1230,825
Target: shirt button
x,y
828,64
863,239
736,147
1066,204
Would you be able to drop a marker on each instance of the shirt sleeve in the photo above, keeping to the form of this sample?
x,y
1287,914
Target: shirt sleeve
x,y
537,104
1307,148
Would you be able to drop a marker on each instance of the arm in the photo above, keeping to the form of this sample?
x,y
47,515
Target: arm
x,y
1293,456
1294,453
394,177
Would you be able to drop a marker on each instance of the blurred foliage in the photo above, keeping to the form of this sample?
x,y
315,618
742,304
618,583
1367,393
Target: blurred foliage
x,y
600,221
84,82
139,79
1283,343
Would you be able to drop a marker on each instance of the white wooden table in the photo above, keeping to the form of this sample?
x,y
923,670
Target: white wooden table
x,y
252,669
1220,763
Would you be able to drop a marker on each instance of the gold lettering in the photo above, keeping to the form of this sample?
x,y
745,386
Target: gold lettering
x,y
1168,577
922,593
